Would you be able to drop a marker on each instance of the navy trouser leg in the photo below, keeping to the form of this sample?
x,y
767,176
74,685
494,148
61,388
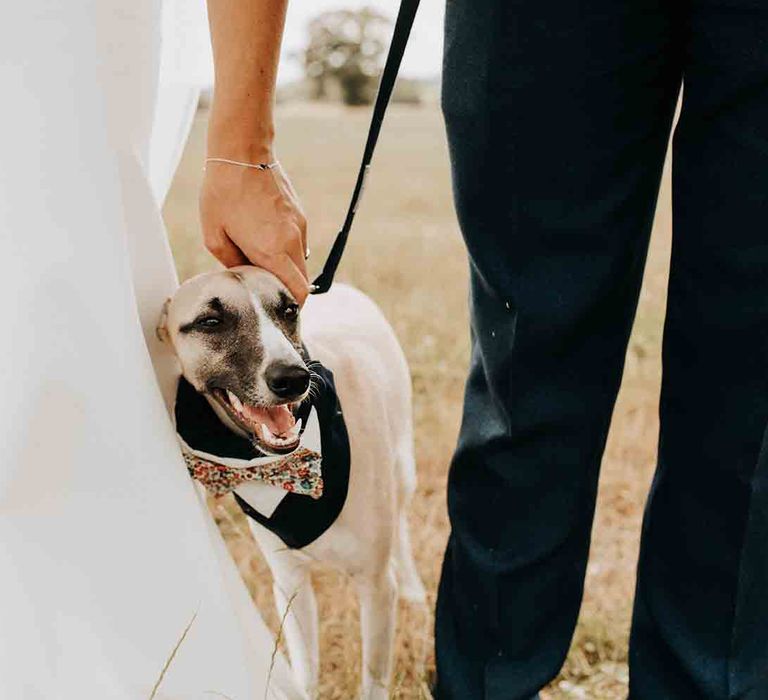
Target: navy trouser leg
x,y
701,614
558,115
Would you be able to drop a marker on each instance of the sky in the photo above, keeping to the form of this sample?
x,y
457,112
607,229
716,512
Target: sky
x,y
422,58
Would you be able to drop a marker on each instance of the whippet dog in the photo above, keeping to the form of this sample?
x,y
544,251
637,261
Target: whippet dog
x,y
245,346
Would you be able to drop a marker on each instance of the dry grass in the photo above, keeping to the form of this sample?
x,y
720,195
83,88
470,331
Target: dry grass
x,y
406,252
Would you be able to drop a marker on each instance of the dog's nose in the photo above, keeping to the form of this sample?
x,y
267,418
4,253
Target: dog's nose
x,y
286,381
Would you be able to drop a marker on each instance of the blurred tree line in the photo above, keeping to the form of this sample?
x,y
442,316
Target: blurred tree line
x,y
345,54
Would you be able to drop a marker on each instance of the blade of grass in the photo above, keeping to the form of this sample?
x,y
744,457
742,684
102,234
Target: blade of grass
x,y
171,657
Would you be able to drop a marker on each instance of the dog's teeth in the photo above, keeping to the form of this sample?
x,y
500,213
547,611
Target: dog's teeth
x,y
236,403
269,436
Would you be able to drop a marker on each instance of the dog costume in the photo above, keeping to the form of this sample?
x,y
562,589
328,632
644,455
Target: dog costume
x,y
298,495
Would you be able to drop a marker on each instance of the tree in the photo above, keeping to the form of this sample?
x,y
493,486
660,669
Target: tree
x,y
346,46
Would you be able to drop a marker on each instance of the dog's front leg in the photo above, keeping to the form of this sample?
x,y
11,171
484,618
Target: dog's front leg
x,y
297,608
378,616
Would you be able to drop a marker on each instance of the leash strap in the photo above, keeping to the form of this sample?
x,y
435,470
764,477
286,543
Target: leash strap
x,y
402,30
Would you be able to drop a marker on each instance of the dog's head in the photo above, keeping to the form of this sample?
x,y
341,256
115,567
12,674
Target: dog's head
x,y
236,335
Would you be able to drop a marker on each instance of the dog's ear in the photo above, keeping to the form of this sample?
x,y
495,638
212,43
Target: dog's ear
x,y
162,323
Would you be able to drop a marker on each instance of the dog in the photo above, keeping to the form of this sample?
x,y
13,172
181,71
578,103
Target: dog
x,y
243,343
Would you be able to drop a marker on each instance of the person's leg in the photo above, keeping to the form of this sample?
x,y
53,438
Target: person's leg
x,y
701,613
558,115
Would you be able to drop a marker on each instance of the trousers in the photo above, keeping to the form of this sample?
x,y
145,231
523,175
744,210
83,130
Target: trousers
x,y
558,115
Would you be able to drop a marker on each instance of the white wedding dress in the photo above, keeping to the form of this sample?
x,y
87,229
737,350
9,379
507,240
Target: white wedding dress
x,y
107,553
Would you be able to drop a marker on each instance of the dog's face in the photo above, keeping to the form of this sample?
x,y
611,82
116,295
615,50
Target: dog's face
x,y
236,336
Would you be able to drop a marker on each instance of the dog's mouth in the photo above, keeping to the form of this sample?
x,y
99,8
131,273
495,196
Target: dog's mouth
x,y
273,429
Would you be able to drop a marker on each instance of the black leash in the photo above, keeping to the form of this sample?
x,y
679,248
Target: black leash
x,y
400,35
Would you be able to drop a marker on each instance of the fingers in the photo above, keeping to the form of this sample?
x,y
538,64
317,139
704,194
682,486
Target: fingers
x,y
297,247
224,250
285,185
258,220
290,275
288,264
301,224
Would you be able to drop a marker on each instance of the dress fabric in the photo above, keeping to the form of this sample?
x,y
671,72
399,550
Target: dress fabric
x,y
107,552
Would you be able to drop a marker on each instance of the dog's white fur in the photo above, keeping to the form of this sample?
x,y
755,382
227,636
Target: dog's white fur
x,y
370,540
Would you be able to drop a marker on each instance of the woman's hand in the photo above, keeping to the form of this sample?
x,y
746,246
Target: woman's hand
x,y
250,215
254,216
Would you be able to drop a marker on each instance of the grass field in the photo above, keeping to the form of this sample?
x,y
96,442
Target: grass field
x,y
406,252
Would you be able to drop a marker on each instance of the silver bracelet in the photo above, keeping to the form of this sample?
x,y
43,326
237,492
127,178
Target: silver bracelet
x,y
242,164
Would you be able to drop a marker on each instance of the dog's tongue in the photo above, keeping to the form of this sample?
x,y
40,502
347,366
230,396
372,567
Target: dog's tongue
x,y
278,419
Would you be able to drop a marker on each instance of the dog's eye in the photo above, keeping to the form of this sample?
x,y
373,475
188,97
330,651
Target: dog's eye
x,y
291,312
208,322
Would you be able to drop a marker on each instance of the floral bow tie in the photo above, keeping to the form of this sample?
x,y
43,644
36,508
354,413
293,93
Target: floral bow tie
x,y
298,472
